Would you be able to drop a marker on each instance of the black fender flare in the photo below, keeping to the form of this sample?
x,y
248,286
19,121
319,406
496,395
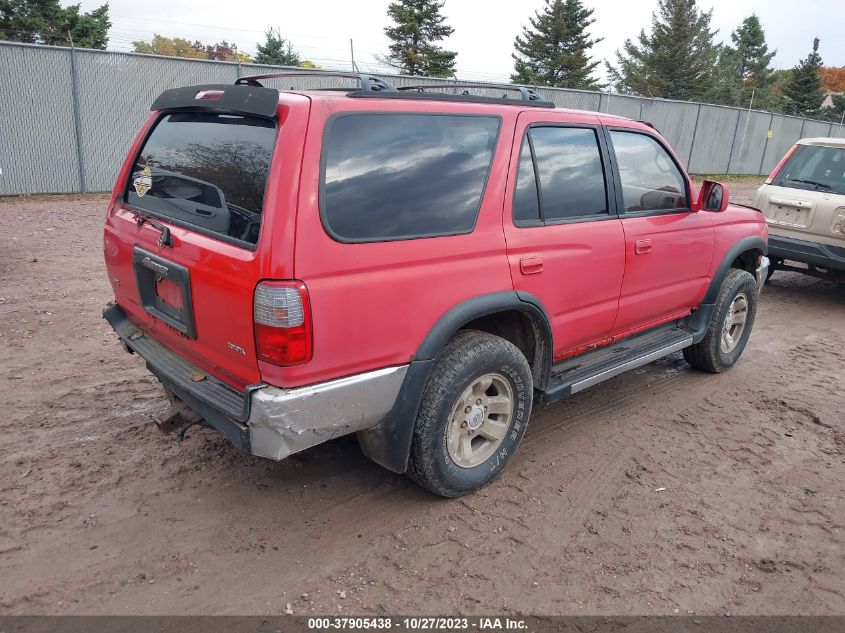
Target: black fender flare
x,y
699,320
751,243
389,442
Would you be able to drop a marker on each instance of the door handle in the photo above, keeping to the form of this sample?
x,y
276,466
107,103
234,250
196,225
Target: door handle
x,y
641,247
531,265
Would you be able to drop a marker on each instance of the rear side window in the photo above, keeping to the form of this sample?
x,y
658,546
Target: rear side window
x,y
650,179
572,182
206,171
814,167
403,176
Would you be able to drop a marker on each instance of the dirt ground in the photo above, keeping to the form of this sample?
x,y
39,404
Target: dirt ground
x,y
665,490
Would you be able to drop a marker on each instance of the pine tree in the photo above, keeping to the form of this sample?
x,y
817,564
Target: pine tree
x,y
676,60
555,51
802,90
276,50
750,59
47,22
419,23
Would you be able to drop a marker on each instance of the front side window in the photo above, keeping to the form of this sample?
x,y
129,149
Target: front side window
x,y
650,179
814,167
403,176
207,171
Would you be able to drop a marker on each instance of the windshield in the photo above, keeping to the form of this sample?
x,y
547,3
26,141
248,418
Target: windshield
x,y
207,171
816,168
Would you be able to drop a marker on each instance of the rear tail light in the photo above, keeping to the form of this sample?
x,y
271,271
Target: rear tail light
x,y
282,316
780,165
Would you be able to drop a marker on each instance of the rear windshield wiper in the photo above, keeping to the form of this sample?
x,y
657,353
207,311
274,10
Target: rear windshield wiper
x,y
142,217
823,185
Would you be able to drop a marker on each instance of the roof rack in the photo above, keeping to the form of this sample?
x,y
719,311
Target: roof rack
x,y
366,83
526,96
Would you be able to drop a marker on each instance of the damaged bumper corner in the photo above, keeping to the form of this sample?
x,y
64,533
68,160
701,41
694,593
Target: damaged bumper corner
x,y
265,421
286,421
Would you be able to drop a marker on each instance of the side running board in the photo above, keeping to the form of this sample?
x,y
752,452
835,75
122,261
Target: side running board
x,y
576,374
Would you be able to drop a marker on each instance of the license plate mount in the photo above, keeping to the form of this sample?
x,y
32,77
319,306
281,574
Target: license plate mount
x,y
164,288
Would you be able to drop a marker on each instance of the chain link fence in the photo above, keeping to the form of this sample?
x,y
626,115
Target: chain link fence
x,y
68,116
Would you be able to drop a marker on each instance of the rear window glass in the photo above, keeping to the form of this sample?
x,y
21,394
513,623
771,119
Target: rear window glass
x,y
207,171
816,168
402,176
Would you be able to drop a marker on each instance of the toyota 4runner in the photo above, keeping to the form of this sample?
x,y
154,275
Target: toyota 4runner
x,y
420,266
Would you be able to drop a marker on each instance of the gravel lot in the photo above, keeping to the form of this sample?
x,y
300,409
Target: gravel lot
x,y
664,490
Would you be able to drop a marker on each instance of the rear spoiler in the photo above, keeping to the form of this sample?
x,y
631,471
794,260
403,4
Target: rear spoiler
x,y
251,100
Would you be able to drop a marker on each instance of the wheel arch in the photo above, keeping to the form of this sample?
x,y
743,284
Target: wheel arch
x,y
515,316
741,255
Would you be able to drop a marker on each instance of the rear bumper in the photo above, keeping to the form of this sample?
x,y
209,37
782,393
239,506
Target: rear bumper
x,y
263,420
821,255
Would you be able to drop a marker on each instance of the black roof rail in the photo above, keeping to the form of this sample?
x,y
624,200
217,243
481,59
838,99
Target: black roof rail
x,y
648,123
526,96
366,83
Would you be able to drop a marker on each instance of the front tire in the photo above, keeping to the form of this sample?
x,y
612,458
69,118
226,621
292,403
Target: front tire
x,y
473,414
730,326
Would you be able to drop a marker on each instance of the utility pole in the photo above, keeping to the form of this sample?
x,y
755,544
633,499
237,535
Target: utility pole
x,y
352,54
77,122
744,130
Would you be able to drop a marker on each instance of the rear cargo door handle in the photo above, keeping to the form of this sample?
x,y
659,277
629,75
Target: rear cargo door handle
x,y
641,247
531,265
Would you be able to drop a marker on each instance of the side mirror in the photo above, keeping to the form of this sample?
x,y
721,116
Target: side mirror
x,y
713,196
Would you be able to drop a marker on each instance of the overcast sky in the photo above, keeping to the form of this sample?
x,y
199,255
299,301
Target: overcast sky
x,y
484,30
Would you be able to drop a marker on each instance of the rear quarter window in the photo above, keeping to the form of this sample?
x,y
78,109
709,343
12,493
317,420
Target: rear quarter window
x,y
404,176
207,172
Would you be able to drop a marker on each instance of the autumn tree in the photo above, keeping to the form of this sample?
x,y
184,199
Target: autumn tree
x,y
832,78
181,47
170,47
555,50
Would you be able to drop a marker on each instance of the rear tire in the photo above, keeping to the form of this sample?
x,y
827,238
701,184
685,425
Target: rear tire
x,y
730,326
473,414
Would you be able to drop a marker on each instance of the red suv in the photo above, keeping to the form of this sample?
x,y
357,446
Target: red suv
x,y
417,266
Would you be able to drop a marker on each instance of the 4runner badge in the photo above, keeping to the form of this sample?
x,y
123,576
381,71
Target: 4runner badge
x,y
144,182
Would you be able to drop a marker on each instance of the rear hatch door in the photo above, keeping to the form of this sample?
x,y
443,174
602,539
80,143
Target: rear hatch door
x,y
806,199
185,246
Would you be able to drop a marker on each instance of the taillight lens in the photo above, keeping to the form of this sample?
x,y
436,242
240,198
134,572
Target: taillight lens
x,y
780,165
282,316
